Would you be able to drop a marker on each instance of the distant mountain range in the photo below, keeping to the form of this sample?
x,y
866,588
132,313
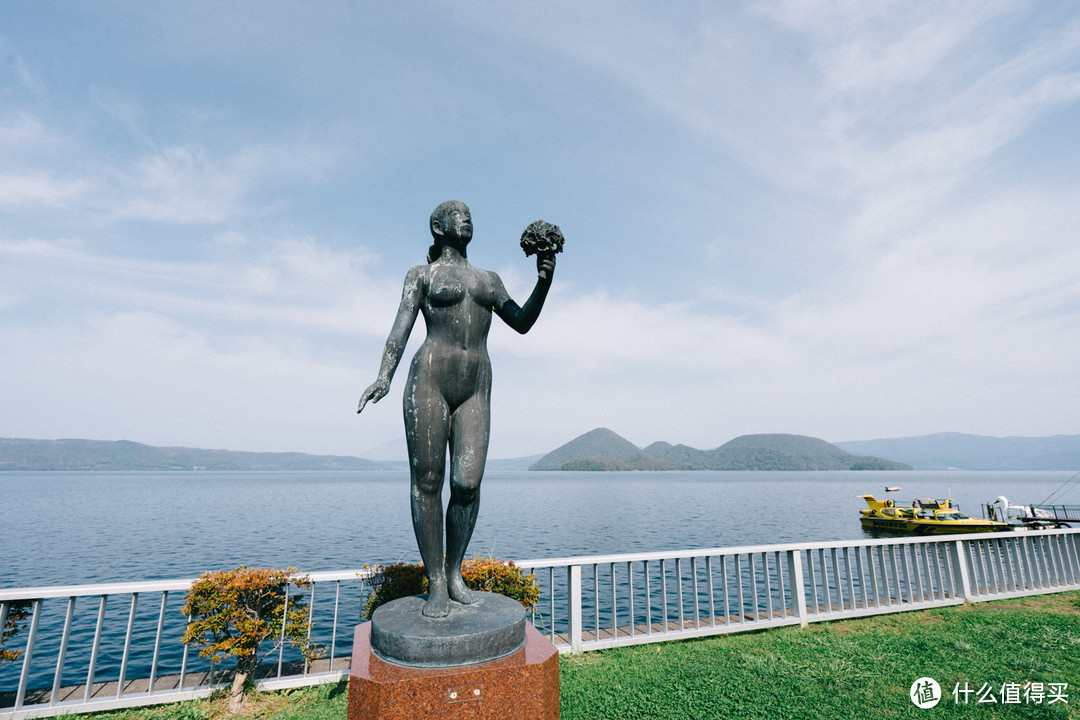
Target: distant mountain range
x,y
948,451
599,449
18,454
603,449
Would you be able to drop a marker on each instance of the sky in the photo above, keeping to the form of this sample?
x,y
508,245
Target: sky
x,y
840,219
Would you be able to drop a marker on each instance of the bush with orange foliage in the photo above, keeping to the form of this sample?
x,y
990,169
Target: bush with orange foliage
x,y
488,574
234,611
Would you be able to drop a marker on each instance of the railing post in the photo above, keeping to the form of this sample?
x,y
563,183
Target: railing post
x,y
1072,546
94,649
281,640
961,571
573,604
157,641
798,585
58,676
1038,577
127,646
310,622
1075,540
24,677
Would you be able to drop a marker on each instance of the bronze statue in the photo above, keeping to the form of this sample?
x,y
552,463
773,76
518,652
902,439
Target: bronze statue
x,y
447,401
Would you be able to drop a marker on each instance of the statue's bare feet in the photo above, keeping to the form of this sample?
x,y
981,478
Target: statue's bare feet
x,y
438,603
459,591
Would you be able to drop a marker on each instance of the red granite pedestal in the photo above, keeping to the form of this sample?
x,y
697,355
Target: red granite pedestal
x,y
522,685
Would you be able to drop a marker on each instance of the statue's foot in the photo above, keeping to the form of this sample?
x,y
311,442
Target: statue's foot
x,y
459,591
437,605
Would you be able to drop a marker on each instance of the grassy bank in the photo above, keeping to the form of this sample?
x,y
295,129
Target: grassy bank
x,y
849,669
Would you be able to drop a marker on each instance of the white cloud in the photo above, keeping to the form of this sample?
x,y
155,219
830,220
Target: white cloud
x,y
178,185
287,283
34,190
28,78
22,130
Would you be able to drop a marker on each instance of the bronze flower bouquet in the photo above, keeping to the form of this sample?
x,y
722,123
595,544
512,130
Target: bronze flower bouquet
x,y
542,238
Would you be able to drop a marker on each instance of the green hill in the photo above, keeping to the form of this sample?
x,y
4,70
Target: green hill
x,y
598,444
20,454
640,461
603,449
791,452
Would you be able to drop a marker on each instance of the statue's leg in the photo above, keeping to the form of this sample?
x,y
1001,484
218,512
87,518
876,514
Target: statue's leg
x,y
427,424
469,435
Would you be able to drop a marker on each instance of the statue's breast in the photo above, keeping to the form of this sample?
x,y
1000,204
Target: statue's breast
x,y
446,288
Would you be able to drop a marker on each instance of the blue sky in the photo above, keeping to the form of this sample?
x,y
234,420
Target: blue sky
x,y
841,219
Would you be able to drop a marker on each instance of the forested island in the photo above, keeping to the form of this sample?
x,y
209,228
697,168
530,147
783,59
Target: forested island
x,y
603,449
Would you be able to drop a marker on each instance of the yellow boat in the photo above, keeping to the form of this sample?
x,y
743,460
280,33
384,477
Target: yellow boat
x,y
922,517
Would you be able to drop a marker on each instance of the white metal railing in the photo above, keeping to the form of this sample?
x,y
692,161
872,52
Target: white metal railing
x,y
591,603
130,656
587,603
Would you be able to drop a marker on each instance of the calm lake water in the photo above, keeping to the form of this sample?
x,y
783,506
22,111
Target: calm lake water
x,y
67,528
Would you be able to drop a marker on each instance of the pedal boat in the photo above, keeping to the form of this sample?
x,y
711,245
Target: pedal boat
x,y
922,517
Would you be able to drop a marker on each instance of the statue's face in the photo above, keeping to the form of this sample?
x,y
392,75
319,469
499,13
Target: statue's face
x,y
458,222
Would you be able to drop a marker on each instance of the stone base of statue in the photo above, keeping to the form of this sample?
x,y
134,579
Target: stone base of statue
x,y
490,627
522,681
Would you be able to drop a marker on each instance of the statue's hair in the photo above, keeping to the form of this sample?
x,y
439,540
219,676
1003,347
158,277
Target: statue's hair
x,y
439,215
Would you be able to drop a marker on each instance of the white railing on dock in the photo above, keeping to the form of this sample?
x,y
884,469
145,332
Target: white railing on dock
x,y
587,603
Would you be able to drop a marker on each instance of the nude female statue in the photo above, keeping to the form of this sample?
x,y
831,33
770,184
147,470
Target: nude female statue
x,y
447,399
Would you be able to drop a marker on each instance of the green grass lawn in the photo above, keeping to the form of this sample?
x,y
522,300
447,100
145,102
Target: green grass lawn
x,y
847,669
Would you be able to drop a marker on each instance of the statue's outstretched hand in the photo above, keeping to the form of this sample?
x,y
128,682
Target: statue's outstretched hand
x,y
545,266
375,392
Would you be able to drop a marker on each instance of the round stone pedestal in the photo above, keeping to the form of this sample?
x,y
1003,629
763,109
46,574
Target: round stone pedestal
x,y
491,627
524,684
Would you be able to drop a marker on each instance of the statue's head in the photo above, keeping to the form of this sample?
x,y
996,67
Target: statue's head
x,y
451,222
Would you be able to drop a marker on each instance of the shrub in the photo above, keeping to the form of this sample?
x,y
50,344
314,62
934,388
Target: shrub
x,y
391,582
234,611
14,621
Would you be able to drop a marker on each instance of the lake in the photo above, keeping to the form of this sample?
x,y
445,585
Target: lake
x,y
66,528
